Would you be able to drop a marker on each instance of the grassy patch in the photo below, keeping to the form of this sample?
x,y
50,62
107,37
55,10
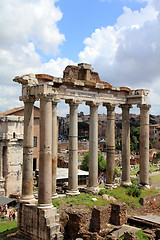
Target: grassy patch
x,y
155,177
84,200
140,235
6,225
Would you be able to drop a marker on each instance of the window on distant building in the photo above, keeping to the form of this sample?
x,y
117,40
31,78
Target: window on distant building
x,y
35,141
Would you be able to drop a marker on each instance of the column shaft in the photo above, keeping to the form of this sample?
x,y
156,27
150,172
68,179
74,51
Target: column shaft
x,y
73,149
144,144
93,146
110,140
1,162
27,175
54,147
45,157
125,145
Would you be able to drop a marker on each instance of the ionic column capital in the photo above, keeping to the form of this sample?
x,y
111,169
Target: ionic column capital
x,y
109,106
144,106
126,106
46,97
93,103
28,99
55,101
73,102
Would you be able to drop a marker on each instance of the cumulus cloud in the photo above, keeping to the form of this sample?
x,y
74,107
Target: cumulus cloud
x,y
128,53
28,29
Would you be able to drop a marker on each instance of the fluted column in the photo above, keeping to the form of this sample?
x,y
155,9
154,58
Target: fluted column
x,y
27,172
93,146
45,156
110,141
73,149
54,146
144,144
125,145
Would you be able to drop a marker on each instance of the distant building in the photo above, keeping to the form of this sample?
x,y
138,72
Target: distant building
x,y
11,154
11,149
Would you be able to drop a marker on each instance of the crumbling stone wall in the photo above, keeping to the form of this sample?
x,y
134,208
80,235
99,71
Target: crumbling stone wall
x,y
151,203
92,224
101,216
118,213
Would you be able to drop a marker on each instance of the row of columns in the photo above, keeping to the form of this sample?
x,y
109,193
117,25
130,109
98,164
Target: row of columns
x,y
48,148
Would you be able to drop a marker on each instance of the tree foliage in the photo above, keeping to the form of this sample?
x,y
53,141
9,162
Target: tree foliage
x,y
101,162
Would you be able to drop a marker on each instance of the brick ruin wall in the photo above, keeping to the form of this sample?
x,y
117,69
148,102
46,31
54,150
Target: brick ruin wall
x,y
92,224
151,203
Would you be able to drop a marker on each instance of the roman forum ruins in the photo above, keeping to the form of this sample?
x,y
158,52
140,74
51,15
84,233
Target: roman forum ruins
x,y
79,84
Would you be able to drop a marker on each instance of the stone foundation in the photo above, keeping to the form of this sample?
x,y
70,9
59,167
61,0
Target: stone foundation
x,y
38,223
93,224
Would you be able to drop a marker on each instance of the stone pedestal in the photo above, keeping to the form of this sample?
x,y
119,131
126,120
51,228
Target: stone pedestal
x,y
27,175
125,145
45,157
93,147
144,144
73,149
38,223
54,147
110,140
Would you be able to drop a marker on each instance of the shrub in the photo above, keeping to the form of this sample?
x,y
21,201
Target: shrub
x,y
102,191
134,191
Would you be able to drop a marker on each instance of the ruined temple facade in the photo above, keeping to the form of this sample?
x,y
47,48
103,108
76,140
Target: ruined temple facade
x,y
79,84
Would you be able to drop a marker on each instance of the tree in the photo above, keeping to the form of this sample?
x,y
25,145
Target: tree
x,y
101,162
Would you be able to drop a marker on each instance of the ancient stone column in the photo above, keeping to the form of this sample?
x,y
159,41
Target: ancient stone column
x,y
110,141
1,162
54,147
144,144
45,156
2,179
27,172
93,146
125,144
73,148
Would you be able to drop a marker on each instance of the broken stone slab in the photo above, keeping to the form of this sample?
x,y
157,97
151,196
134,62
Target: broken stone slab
x,y
125,228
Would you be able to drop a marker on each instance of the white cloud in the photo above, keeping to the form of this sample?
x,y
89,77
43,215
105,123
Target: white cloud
x,y
128,53
35,21
27,28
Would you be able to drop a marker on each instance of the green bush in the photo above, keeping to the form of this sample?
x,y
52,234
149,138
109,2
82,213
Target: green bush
x,y
134,191
102,191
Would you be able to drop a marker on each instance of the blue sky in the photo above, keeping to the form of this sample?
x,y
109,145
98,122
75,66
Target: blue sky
x,y
120,38
82,17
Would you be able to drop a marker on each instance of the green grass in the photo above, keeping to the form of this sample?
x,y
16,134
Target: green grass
x,y
155,177
7,225
120,193
140,236
82,199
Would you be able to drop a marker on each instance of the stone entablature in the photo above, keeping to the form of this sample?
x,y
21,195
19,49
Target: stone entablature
x,y
79,83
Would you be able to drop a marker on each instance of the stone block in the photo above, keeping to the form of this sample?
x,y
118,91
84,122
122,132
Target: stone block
x,y
118,213
100,218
